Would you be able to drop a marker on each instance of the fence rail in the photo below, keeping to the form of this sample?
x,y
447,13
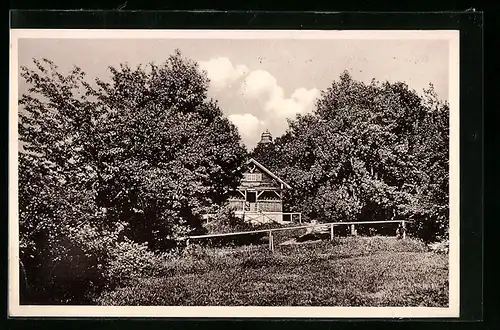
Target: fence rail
x,y
331,225
254,215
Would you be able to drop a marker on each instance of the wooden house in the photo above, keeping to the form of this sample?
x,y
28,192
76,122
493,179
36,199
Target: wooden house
x,y
259,198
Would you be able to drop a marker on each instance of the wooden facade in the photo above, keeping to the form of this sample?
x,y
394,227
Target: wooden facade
x,y
259,198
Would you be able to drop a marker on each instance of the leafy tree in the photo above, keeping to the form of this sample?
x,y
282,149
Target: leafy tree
x,y
139,156
264,153
369,151
57,183
175,148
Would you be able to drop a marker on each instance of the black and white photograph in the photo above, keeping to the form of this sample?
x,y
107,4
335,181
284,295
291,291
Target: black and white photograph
x,y
212,173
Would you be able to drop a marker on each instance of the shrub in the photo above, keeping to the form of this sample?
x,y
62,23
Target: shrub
x,y
85,261
129,261
440,247
225,221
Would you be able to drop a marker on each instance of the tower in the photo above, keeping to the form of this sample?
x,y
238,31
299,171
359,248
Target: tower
x,y
266,138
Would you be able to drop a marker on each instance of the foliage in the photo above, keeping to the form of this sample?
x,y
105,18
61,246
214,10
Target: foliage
x,y
348,272
129,261
175,149
368,152
225,221
264,153
440,247
104,166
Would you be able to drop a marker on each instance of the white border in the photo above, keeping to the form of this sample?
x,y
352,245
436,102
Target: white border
x,y
15,310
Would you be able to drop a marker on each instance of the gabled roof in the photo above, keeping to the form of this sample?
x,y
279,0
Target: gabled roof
x,y
263,168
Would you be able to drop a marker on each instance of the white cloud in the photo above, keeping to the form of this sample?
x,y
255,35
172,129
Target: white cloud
x,y
222,72
260,83
301,101
273,107
248,125
305,96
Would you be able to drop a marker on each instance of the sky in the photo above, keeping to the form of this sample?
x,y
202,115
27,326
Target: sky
x,y
260,83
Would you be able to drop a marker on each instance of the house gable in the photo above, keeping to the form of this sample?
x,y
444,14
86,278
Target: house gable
x,y
256,175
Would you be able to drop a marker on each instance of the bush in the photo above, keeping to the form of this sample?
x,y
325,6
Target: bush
x,y
442,247
83,262
67,264
129,261
225,221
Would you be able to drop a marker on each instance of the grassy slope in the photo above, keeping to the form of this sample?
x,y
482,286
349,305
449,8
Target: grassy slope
x,y
347,272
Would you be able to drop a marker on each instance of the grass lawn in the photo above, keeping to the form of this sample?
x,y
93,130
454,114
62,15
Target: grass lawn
x,y
353,271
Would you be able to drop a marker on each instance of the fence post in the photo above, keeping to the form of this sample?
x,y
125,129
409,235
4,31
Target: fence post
x,y
271,243
331,232
353,230
300,218
403,224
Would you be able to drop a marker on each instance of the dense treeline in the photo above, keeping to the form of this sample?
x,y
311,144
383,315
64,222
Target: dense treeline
x,y
369,151
113,169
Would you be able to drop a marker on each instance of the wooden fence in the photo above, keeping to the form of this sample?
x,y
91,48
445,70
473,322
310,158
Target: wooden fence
x,y
324,226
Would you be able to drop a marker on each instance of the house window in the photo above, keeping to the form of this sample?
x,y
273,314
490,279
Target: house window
x,y
253,176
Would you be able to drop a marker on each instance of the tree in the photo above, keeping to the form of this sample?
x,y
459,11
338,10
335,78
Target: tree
x,y
56,182
175,148
139,157
264,154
